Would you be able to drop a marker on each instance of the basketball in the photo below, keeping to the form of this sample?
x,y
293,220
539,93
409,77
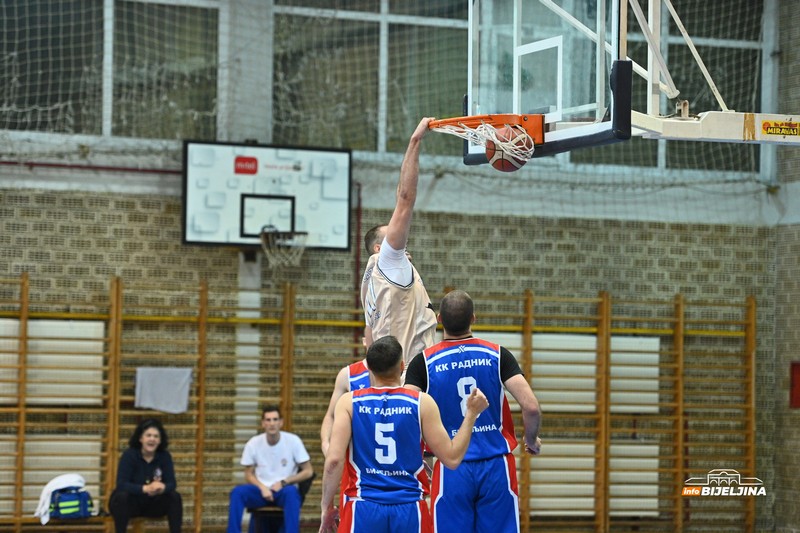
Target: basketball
x,y
499,159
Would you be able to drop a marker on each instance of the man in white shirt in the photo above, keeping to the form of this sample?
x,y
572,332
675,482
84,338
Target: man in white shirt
x,y
274,463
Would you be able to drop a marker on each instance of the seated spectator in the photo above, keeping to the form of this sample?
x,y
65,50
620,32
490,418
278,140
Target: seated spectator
x,y
146,480
274,463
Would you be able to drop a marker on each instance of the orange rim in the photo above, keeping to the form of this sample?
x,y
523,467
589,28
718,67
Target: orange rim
x,y
532,124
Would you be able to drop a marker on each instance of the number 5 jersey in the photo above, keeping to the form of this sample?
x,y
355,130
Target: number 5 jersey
x,y
385,455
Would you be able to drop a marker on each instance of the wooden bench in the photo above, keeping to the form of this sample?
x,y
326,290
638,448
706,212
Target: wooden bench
x,y
138,523
77,525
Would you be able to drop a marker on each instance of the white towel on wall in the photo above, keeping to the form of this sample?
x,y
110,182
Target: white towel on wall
x,y
163,388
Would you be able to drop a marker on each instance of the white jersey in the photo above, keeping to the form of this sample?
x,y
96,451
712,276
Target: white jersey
x,y
404,311
274,463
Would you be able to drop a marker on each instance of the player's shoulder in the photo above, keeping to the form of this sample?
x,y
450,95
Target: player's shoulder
x,y
487,343
371,262
346,399
426,402
343,378
404,391
425,398
357,367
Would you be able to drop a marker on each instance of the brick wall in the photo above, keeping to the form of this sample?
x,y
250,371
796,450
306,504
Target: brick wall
x,y
788,84
73,243
787,311
787,340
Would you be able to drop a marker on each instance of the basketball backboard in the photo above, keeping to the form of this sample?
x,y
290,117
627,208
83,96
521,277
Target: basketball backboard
x,y
233,191
557,58
568,59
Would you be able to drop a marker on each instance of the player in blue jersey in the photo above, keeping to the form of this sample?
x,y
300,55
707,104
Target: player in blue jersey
x,y
378,436
480,495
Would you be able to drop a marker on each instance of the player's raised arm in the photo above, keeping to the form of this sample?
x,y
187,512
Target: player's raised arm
x,y
400,223
450,452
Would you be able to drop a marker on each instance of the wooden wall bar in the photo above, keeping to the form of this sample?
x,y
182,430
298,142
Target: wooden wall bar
x,y
613,459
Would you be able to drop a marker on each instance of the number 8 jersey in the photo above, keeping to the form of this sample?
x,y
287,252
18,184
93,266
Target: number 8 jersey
x,y
455,367
385,453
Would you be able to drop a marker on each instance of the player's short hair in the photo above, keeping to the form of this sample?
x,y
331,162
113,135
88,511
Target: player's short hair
x,y
384,356
456,312
374,236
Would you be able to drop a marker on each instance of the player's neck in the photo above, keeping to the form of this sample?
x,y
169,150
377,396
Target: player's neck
x,y
460,336
386,382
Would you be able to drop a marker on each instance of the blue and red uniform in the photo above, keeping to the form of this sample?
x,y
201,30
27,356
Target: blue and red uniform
x,y
482,493
359,376
387,480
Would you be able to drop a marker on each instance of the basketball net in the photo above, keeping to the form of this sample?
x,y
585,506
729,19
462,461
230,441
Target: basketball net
x,y
283,248
479,131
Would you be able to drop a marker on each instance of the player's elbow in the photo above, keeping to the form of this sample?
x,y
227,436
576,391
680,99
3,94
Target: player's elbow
x,y
452,464
332,464
405,201
406,193
450,461
531,407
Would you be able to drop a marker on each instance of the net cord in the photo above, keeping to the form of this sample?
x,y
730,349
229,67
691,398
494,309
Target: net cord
x,y
283,248
483,133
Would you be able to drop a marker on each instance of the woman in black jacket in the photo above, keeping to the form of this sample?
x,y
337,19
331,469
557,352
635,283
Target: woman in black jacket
x,y
146,479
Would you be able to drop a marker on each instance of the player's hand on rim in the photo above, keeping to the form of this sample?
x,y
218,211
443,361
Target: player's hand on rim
x,y
422,128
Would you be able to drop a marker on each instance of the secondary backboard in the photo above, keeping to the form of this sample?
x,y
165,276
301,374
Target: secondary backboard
x,y
232,191
554,57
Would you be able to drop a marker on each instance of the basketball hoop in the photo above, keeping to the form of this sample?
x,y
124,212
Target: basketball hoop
x,y
480,129
283,248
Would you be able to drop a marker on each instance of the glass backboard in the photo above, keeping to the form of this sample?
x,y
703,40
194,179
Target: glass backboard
x,y
555,57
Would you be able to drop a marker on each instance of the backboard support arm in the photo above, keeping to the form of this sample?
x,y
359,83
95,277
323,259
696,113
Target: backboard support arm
x,y
721,126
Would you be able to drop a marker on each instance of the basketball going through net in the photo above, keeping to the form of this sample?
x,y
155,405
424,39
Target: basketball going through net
x,y
283,248
492,131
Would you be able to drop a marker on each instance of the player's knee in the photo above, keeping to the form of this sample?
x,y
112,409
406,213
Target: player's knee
x,y
237,492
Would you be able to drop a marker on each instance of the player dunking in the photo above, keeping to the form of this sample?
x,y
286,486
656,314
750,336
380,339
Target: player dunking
x,y
481,494
394,298
378,432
